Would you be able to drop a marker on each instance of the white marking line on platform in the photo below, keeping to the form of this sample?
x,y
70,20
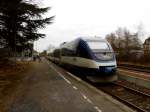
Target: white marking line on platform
x,y
88,100
74,87
50,66
64,78
54,68
74,76
83,95
97,109
60,74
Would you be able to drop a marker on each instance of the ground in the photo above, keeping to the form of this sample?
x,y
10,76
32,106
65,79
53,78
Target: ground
x,y
43,87
11,74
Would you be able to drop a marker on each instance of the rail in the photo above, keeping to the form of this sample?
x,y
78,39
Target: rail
x,y
135,68
136,99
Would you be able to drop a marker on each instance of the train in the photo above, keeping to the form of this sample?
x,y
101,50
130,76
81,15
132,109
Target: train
x,y
91,57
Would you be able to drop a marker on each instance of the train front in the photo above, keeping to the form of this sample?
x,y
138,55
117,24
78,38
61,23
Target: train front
x,y
105,59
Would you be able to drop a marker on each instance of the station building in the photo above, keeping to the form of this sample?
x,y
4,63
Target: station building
x,y
146,46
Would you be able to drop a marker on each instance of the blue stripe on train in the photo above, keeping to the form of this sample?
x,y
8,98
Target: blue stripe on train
x,y
102,71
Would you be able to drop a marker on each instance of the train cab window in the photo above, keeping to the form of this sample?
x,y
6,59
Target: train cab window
x,y
98,45
69,49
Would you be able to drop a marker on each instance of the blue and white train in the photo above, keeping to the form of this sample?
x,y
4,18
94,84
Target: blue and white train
x,y
91,57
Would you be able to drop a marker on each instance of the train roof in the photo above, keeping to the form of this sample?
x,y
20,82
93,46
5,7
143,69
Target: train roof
x,y
72,44
85,39
92,38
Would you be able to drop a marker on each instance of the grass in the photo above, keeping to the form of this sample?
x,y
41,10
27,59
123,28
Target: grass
x,y
10,74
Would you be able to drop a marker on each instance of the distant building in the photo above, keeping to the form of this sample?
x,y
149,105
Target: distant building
x,y
146,46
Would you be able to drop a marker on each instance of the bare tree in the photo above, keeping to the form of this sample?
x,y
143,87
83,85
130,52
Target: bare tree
x,y
124,42
120,34
111,38
140,30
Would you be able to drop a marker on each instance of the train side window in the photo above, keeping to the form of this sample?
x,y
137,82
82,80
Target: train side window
x,y
68,52
57,53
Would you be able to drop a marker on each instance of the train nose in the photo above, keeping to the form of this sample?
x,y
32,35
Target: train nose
x,y
107,69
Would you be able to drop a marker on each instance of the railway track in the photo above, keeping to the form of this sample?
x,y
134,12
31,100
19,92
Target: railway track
x,y
138,100
135,68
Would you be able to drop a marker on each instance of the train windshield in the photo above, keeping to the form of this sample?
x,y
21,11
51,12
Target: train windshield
x,y
98,45
101,50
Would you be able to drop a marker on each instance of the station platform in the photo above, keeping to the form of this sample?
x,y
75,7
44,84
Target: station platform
x,y
49,88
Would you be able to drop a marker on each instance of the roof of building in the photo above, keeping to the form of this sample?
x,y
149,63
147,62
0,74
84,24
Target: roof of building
x,y
147,41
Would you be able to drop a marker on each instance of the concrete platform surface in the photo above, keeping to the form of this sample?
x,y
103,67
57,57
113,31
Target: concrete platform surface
x,y
48,88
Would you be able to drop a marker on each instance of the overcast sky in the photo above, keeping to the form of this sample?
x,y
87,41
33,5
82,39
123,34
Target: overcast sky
x,y
76,18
